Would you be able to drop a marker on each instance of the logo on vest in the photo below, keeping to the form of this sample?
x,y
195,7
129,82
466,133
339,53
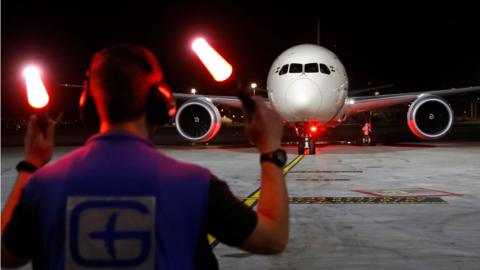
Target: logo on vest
x,y
110,232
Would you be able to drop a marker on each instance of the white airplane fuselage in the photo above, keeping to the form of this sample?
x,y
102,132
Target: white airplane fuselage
x,y
308,84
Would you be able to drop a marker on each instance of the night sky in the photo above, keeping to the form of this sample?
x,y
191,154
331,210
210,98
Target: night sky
x,y
415,47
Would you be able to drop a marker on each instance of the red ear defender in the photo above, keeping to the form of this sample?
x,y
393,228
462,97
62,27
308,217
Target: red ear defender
x,y
165,90
161,106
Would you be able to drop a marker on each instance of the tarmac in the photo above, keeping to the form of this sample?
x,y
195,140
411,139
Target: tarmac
x,y
412,205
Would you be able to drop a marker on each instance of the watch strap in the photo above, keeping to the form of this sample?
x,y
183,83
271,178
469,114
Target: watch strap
x,y
274,158
25,166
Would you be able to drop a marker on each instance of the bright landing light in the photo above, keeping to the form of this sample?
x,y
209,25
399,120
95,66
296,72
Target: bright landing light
x,y
36,92
212,60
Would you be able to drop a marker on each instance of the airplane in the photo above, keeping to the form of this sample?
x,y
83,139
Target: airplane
x,y
308,85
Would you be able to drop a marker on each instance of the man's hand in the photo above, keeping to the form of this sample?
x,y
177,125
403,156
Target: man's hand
x,y
270,235
264,127
38,151
38,147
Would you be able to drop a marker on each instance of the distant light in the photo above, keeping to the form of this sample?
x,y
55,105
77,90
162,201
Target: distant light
x,y
313,129
36,92
193,91
377,93
218,67
253,85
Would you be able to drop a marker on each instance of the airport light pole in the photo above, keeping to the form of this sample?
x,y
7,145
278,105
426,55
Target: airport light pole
x,y
253,86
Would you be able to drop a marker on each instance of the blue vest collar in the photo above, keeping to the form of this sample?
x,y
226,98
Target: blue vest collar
x,y
119,136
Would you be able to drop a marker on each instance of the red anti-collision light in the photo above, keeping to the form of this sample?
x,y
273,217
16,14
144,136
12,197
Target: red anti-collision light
x,y
36,91
218,67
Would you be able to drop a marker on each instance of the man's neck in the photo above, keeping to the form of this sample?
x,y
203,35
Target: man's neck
x,y
138,127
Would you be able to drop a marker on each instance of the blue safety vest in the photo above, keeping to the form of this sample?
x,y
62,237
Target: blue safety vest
x,y
117,203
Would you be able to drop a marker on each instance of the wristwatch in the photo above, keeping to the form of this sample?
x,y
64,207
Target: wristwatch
x,y
277,157
25,166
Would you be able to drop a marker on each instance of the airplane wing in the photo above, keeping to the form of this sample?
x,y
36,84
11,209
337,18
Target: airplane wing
x,y
230,101
370,89
371,103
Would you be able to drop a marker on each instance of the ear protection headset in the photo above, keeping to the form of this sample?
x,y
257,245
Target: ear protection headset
x,y
160,109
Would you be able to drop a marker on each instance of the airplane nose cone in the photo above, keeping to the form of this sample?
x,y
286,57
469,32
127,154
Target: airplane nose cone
x,y
303,99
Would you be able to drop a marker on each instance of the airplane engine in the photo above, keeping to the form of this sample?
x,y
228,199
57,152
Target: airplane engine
x,y
430,117
198,120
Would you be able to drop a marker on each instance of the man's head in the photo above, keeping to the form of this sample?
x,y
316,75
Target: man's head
x,y
121,78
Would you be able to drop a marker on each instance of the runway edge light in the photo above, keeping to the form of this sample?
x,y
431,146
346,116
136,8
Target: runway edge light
x,y
218,67
36,91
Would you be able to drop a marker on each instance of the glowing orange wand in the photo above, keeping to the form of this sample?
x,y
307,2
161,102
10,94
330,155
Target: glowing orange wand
x,y
37,95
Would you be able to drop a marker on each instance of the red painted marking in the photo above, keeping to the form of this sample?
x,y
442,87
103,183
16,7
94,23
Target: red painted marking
x,y
368,193
444,194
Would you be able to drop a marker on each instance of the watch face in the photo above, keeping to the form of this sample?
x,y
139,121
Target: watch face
x,y
281,156
277,157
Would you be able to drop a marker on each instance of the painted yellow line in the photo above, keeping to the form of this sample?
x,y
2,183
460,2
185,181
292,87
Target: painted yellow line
x,y
294,162
286,169
365,200
211,239
252,199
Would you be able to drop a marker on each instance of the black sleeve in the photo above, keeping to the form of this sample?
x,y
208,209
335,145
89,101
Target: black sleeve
x,y
228,219
17,236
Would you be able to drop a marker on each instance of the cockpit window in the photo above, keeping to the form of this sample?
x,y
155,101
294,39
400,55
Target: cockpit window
x,y
283,70
324,69
296,68
311,68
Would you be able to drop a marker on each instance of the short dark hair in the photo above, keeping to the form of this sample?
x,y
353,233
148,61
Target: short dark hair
x,y
121,77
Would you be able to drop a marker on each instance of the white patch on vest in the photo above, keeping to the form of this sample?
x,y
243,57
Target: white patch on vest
x,y
110,233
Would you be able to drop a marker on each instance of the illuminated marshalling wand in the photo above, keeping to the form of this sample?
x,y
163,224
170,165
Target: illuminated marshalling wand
x,y
37,96
221,70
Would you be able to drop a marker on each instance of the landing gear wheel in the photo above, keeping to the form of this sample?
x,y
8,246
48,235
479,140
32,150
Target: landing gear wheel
x,y
373,140
367,140
301,148
311,147
359,141
362,141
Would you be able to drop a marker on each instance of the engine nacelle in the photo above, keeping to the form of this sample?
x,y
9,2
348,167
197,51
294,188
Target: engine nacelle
x,y
430,117
198,120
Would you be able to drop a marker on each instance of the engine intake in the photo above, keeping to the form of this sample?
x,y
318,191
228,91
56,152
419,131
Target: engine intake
x,y
198,120
430,117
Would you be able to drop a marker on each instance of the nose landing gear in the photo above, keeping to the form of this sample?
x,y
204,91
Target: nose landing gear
x,y
306,143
